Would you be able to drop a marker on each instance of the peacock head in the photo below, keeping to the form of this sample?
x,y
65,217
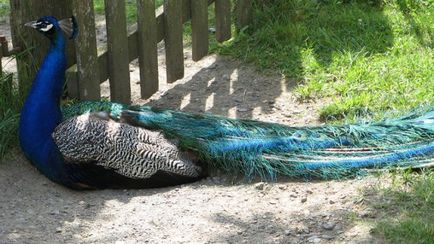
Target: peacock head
x,y
49,26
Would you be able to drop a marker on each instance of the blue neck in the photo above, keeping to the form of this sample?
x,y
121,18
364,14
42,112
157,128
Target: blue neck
x,y
41,112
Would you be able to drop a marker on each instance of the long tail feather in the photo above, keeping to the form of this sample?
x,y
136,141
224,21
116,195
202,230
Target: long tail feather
x,y
267,149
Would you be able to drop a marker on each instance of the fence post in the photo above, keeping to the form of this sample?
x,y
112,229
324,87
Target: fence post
x,y
5,80
86,52
173,39
147,47
33,45
199,25
117,47
223,20
243,13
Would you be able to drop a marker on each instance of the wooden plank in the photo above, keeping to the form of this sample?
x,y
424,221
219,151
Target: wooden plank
x,y
71,78
223,20
199,25
132,46
4,46
117,48
147,47
86,52
186,10
243,13
173,40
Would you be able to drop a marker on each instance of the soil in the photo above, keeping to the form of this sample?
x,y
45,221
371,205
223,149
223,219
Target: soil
x,y
218,209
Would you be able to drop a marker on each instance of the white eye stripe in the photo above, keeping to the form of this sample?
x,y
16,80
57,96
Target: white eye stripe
x,y
47,28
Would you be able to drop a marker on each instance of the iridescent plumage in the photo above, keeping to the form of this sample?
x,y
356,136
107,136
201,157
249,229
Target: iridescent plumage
x,y
266,149
111,145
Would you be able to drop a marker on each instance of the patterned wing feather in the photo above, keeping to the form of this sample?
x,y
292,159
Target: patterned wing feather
x,y
130,151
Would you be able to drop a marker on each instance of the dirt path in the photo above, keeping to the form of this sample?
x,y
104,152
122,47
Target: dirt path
x,y
220,209
216,210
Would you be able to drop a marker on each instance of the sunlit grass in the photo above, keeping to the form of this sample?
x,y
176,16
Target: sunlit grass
x,y
4,10
131,8
368,57
405,208
10,105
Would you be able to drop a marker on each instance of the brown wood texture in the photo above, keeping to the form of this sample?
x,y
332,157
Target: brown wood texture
x,y
223,20
243,13
173,40
199,25
117,48
86,52
147,47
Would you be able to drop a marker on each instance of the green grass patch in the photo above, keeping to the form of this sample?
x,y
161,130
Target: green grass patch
x,y
367,56
10,105
131,13
4,10
131,8
406,208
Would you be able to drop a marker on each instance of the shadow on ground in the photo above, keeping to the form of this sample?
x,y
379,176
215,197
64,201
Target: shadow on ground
x,y
217,209
284,34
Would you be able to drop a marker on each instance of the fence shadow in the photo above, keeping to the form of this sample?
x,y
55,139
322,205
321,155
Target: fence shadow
x,y
226,87
230,88
35,210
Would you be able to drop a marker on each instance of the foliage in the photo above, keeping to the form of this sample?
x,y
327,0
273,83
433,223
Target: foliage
x,y
407,208
131,9
4,10
368,57
10,105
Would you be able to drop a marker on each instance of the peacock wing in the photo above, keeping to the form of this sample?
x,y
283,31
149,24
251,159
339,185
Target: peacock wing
x,y
130,151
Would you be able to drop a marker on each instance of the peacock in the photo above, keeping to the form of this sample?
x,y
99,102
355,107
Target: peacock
x,y
101,144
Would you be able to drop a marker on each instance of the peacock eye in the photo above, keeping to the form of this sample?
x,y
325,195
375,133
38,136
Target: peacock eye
x,y
45,26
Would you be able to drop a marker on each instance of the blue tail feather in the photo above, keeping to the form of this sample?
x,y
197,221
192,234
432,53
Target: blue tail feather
x,y
267,149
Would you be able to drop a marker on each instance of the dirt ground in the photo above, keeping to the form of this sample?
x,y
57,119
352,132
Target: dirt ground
x,y
219,209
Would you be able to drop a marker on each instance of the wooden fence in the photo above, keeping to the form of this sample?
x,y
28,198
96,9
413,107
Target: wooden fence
x,y
166,23
88,69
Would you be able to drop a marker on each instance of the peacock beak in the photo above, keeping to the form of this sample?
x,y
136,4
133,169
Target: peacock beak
x,y
31,24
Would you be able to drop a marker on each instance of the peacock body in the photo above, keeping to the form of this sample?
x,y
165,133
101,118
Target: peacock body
x,y
110,145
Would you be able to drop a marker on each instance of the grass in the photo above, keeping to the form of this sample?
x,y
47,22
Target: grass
x,y
406,208
131,9
367,57
131,13
10,105
4,10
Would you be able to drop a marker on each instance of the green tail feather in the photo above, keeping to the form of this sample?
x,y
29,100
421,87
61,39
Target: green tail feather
x,y
267,149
